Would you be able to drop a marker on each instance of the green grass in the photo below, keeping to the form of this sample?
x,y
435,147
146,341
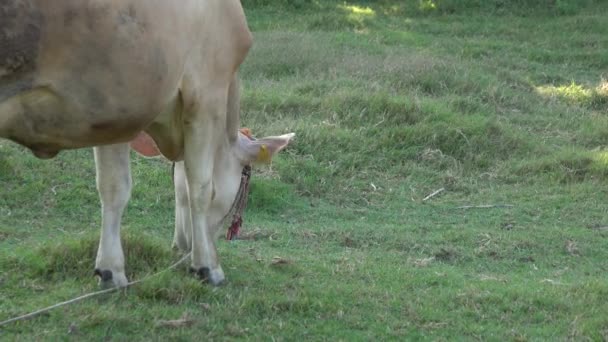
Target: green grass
x,y
497,102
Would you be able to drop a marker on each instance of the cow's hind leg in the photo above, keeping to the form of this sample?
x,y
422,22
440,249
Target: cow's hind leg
x,y
114,186
182,238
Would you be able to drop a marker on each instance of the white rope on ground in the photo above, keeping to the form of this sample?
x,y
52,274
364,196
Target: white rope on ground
x,y
89,295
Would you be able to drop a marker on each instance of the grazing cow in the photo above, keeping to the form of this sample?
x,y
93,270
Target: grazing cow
x,y
82,73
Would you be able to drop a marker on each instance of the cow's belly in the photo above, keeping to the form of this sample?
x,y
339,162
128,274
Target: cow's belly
x,y
47,122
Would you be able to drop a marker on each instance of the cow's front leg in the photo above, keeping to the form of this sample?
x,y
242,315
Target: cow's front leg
x,y
203,131
114,186
182,238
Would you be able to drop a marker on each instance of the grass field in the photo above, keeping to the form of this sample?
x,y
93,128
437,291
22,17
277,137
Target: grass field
x,y
503,107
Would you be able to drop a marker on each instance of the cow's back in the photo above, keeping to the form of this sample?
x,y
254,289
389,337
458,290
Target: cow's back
x,y
77,73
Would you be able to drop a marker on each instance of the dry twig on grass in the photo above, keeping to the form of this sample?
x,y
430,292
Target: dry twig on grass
x,y
552,282
277,260
184,321
424,262
486,206
433,194
571,247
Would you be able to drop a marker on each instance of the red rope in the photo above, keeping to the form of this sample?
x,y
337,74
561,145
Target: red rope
x,y
235,228
240,204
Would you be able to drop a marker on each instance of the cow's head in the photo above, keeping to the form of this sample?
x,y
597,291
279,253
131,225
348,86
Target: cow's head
x,y
229,165
234,155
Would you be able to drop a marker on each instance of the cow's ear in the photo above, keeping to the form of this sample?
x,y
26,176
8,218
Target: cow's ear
x,y
261,150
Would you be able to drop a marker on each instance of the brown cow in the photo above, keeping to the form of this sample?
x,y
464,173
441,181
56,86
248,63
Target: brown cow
x,y
82,73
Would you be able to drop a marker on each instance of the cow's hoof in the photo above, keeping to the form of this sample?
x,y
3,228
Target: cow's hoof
x,y
109,279
214,277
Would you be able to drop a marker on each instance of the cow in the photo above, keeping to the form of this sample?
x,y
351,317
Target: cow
x,y
96,73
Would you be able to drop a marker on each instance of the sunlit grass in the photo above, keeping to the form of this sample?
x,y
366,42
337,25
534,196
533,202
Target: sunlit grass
x,y
427,5
358,16
358,10
602,88
600,159
578,94
572,93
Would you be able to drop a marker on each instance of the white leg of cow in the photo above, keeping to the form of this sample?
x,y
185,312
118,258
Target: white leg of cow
x,y
114,186
202,133
182,237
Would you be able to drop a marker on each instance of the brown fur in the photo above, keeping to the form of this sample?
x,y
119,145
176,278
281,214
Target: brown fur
x,y
77,73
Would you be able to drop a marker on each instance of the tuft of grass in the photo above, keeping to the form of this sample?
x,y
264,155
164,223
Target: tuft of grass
x,y
72,258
